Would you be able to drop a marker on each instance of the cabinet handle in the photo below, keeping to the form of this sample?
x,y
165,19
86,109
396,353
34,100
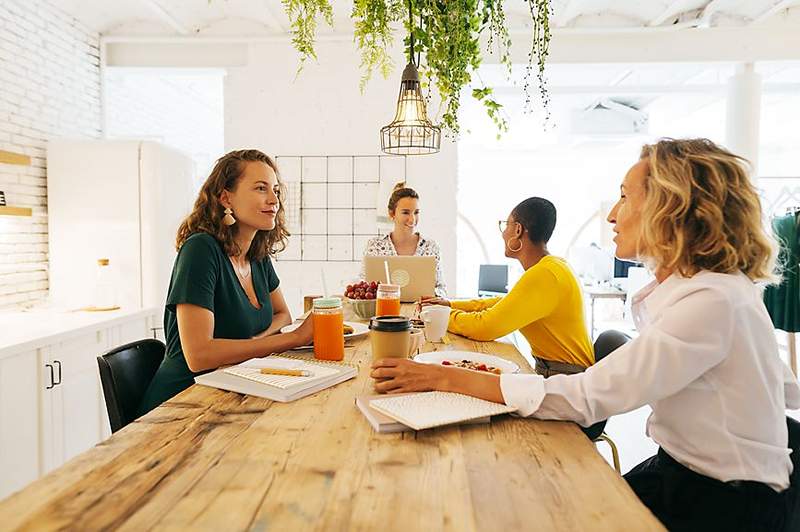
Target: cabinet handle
x,y
52,379
59,372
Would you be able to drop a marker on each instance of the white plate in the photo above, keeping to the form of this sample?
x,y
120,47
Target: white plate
x,y
436,357
359,329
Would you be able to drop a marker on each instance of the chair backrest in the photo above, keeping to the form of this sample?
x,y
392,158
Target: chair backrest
x,y
125,373
493,278
606,343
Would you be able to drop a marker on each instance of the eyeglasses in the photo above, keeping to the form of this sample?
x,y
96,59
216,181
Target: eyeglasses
x,y
502,224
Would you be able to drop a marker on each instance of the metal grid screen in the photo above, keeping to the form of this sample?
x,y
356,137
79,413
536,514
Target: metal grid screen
x,y
333,203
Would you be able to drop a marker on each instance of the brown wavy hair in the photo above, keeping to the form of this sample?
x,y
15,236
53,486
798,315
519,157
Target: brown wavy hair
x,y
206,217
702,212
399,192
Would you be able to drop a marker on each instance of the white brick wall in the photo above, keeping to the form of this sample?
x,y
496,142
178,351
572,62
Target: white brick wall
x,y
49,87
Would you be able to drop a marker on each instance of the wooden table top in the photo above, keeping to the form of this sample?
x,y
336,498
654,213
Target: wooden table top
x,y
215,460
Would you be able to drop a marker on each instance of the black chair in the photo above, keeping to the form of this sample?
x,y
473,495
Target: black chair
x,y
125,373
605,344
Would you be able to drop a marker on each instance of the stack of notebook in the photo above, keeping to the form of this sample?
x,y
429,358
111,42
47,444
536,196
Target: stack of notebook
x,y
247,377
418,411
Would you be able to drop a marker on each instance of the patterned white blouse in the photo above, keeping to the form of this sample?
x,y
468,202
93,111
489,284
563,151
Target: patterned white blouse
x,y
382,246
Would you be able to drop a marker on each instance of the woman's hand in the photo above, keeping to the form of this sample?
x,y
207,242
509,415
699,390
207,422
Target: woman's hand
x,y
399,375
304,335
426,301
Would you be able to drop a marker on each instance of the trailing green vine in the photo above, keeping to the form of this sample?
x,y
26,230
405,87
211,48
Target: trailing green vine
x,y
374,35
447,36
303,19
540,49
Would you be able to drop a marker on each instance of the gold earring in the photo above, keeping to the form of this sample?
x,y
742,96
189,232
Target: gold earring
x,y
228,219
512,250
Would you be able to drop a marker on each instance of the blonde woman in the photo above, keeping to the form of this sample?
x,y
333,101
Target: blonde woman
x,y
706,359
224,303
403,209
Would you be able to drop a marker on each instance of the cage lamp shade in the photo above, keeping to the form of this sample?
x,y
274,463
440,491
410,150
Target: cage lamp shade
x,y
410,133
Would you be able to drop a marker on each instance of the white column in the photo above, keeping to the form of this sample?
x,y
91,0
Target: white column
x,y
743,117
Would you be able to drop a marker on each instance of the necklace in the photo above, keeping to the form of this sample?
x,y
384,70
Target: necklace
x,y
242,274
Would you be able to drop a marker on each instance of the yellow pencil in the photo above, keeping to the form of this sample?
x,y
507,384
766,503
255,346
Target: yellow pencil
x,y
289,372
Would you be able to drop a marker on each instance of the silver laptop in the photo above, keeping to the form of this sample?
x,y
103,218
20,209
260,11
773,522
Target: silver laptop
x,y
415,275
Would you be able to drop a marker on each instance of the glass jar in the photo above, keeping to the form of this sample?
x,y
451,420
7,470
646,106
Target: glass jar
x,y
388,300
105,287
328,328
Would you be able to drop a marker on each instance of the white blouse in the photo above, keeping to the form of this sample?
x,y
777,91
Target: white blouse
x,y
707,363
382,246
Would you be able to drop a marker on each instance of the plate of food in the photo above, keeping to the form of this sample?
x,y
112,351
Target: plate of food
x,y
469,360
351,329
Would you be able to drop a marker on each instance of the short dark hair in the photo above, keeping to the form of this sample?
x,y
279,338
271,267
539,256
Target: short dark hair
x,y
538,217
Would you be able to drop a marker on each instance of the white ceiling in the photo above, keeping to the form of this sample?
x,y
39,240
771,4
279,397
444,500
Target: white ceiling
x,y
261,18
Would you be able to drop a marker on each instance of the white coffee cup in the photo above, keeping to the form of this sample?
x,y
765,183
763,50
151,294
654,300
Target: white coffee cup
x,y
435,318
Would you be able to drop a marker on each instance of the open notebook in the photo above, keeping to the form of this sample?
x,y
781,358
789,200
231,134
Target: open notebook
x,y
247,378
384,424
433,409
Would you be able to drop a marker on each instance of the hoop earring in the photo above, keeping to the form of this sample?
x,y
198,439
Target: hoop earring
x,y
228,219
512,250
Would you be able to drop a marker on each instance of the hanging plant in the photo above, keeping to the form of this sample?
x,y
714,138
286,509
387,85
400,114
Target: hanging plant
x,y
303,16
540,49
447,36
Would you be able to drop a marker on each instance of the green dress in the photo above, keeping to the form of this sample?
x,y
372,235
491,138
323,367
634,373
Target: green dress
x,y
783,300
204,276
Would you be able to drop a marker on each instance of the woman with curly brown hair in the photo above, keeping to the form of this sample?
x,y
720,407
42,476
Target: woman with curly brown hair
x,y
224,304
706,359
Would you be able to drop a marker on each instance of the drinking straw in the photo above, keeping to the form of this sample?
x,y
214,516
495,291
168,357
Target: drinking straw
x,y
324,284
386,267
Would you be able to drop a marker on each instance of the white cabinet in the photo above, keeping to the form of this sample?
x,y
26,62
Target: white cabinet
x,y
19,421
71,398
51,400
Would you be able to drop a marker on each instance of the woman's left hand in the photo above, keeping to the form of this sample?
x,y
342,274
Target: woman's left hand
x,y
400,375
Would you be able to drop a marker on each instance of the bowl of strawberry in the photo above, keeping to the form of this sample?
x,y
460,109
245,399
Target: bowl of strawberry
x,y
361,297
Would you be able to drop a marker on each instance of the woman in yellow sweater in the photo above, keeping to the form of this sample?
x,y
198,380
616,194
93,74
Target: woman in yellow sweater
x,y
546,304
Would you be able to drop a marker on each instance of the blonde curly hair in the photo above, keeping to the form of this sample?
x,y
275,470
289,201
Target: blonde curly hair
x,y
206,217
703,212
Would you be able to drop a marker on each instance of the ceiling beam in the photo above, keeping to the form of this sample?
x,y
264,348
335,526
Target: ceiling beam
x,y
674,8
166,16
272,19
665,44
704,20
571,10
777,7
638,90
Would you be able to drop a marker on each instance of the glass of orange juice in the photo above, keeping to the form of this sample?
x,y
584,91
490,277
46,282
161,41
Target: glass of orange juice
x,y
328,328
388,300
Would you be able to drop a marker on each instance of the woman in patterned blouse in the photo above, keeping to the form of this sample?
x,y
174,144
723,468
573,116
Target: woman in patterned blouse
x,y
404,239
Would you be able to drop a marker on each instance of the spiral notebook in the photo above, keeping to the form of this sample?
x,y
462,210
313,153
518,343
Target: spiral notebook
x,y
246,377
434,409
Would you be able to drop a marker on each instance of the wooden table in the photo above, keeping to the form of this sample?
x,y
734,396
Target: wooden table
x,y
214,460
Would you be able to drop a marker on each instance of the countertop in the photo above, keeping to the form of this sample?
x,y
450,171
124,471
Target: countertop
x,y
22,330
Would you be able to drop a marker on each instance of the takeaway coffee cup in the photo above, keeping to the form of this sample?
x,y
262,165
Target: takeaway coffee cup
x,y
393,337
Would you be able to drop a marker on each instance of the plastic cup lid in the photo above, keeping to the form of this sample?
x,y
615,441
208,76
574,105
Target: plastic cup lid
x,y
390,323
327,302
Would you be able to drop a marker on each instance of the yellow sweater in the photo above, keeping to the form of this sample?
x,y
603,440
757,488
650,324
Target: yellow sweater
x,y
546,306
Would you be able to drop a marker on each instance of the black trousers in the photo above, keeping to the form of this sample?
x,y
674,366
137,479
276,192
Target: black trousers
x,y
684,500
